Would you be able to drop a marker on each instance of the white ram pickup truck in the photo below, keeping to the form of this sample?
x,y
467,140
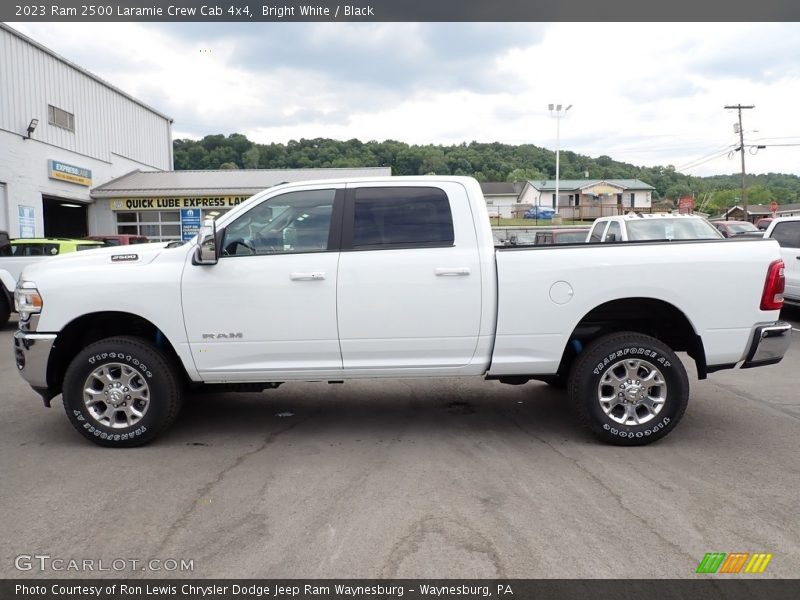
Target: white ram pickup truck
x,y
390,277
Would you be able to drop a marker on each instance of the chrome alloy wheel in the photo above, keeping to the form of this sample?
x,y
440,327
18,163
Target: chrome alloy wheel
x,y
116,395
632,391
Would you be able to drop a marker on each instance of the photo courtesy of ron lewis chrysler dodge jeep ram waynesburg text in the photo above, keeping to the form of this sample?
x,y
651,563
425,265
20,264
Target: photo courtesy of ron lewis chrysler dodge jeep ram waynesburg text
x,y
391,277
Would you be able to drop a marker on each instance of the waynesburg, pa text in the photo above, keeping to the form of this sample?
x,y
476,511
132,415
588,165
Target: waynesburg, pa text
x,y
195,591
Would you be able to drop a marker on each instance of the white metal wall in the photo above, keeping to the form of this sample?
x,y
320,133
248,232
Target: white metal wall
x,y
106,121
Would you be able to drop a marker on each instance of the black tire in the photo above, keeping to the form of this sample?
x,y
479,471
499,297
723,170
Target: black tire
x,y
5,307
137,374
616,368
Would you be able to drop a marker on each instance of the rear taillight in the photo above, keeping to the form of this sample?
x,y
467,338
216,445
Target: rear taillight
x,y
772,298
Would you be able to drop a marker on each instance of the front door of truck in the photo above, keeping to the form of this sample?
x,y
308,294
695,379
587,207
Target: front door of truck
x,y
267,309
409,291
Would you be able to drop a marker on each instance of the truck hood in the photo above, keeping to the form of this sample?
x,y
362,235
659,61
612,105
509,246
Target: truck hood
x,y
136,254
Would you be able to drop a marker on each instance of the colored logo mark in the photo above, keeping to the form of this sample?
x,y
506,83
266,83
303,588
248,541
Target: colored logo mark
x,y
736,562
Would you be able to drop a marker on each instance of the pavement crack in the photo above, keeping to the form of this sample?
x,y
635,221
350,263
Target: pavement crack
x,y
615,495
204,491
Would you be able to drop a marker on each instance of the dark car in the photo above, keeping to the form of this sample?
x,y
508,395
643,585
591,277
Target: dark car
x,y
763,224
738,229
118,240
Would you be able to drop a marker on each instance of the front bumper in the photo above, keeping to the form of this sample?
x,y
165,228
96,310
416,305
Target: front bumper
x,y
770,343
31,353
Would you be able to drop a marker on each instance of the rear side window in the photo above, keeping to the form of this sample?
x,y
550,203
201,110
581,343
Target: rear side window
x,y
401,217
787,234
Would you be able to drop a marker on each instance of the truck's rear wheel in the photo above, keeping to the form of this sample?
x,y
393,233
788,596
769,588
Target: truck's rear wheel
x,y
628,389
121,392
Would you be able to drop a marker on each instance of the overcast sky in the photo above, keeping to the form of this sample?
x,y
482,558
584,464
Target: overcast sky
x,y
648,94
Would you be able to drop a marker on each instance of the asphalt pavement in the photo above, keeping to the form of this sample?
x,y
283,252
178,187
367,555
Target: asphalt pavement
x,y
404,478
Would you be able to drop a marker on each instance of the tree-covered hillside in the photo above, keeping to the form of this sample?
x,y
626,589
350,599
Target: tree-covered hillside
x,y
485,162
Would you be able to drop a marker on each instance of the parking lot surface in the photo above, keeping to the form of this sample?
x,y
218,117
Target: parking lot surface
x,y
408,478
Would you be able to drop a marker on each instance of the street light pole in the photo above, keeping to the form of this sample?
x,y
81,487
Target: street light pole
x,y
555,111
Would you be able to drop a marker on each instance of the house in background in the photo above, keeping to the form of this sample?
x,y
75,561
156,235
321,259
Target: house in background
x,y
589,198
502,198
759,211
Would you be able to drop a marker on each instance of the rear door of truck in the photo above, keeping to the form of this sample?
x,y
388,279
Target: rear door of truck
x,y
409,286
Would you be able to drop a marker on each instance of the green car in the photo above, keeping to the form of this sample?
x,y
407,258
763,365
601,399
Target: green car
x,y
49,246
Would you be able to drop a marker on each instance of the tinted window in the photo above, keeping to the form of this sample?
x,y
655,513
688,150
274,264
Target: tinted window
x,y
401,217
34,249
292,222
570,237
787,234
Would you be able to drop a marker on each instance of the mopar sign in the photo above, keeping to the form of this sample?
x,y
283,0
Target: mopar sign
x,y
71,173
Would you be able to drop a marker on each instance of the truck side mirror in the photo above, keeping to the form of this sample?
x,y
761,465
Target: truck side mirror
x,y
206,251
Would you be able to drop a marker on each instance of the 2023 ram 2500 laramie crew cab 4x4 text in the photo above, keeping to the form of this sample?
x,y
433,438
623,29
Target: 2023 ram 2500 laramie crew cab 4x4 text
x,y
390,277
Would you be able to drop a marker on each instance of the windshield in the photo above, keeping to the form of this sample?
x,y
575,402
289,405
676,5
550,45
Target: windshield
x,y
741,227
671,229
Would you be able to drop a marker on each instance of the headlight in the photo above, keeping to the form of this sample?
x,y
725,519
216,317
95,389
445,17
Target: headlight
x,y
27,300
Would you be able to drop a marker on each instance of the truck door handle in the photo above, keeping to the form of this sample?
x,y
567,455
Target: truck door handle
x,y
316,276
450,271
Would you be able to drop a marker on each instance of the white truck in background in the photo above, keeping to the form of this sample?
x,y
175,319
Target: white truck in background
x,y
390,277
640,227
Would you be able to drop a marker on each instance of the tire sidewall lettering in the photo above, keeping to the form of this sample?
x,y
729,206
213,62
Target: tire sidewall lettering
x,y
629,433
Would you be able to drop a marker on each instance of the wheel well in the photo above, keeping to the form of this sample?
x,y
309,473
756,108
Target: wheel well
x,y
649,316
90,328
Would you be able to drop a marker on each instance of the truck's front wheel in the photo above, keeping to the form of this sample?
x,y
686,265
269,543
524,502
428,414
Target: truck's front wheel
x,y
121,391
629,389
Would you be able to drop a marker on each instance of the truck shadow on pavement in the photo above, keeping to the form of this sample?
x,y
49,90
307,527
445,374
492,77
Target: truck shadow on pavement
x,y
365,412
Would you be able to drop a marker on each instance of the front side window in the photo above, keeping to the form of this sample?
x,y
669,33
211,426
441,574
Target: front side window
x,y
290,223
398,217
597,232
614,233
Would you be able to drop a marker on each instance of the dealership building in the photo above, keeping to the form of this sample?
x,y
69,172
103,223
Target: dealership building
x,y
79,156
170,205
63,131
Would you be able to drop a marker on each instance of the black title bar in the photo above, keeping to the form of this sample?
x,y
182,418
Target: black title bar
x,y
402,10
387,589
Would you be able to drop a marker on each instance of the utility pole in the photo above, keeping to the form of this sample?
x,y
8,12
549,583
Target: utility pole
x,y
739,108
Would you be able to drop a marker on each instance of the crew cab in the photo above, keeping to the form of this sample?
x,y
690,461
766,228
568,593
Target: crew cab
x,y
390,277
786,231
637,227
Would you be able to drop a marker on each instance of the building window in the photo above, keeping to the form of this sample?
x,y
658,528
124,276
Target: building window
x,y
633,199
156,225
60,118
